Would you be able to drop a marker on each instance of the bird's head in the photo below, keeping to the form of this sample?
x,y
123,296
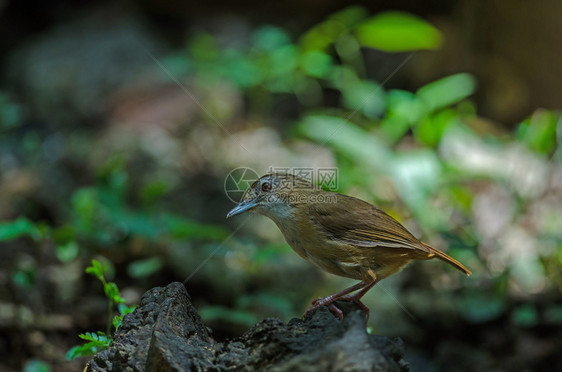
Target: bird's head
x,y
274,195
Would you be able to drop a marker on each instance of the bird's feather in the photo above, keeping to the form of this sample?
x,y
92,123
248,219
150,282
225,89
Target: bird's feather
x,y
353,221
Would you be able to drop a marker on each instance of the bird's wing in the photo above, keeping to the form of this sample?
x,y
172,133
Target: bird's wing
x,y
356,222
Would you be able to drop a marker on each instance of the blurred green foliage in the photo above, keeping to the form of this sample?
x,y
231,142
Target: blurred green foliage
x,y
10,113
539,131
21,227
398,32
423,156
36,365
404,138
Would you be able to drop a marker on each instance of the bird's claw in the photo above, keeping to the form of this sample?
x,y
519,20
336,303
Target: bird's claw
x,y
336,311
324,301
358,302
329,302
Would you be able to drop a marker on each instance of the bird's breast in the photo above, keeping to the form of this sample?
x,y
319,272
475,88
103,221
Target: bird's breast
x,y
313,245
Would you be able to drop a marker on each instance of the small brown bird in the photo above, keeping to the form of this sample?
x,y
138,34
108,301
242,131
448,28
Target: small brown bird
x,y
341,234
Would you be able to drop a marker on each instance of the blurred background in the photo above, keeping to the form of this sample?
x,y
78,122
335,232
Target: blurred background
x,y
119,123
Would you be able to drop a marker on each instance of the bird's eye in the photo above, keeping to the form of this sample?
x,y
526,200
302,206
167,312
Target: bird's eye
x,y
266,187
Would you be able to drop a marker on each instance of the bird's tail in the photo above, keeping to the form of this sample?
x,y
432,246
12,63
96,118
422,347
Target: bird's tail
x,y
442,256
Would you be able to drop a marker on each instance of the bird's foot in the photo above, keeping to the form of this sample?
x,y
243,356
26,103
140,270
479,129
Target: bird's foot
x,y
329,302
344,295
358,302
325,301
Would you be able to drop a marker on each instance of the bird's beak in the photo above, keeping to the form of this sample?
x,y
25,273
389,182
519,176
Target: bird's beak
x,y
242,207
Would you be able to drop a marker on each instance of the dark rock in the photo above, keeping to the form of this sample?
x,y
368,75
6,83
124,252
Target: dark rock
x,y
165,333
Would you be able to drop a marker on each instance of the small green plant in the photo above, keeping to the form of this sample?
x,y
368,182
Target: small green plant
x,y
101,340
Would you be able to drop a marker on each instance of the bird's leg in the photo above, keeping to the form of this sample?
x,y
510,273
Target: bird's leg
x,y
328,301
356,298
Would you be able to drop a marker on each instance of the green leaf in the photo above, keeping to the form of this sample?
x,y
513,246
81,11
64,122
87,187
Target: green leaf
x,y
242,70
204,48
525,316
347,138
85,202
538,131
350,15
316,63
403,104
398,32
283,60
430,130
153,191
144,268
112,292
462,197
36,365
25,278
21,227
97,342
67,252
96,270
78,351
403,109
321,36
269,38
99,337
343,76
117,320
364,96
123,310
64,234
447,91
